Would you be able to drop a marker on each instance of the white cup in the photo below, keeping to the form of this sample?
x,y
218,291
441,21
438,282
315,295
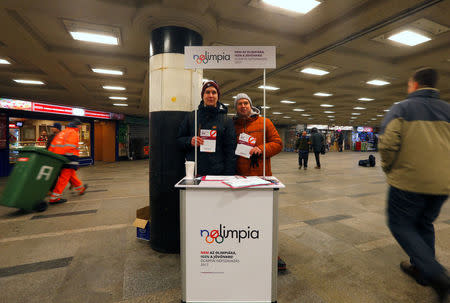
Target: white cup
x,y
190,169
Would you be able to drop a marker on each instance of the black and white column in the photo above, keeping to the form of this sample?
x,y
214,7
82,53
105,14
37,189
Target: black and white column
x,y
174,91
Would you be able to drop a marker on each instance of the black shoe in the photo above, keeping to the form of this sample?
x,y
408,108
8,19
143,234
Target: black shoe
x,y
59,201
413,272
281,264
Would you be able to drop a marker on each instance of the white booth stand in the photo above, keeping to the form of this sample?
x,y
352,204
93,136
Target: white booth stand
x,y
229,242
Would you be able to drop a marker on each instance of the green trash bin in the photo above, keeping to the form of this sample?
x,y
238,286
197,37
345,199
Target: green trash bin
x,y
33,175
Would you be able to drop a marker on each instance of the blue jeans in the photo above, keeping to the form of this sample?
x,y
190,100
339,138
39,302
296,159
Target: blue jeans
x,y
410,219
303,155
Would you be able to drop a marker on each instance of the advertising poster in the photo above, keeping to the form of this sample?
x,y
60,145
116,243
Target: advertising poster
x,y
234,57
228,247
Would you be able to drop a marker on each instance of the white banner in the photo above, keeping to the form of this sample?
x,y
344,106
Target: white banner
x,y
232,57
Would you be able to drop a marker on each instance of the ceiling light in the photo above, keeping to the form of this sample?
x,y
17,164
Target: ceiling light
x,y
277,113
330,116
118,98
319,94
234,97
286,117
301,7
356,114
366,99
386,110
120,104
359,108
378,82
96,38
35,82
107,71
314,71
353,117
287,101
4,61
326,105
409,38
268,87
226,104
310,118
306,115
380,115
396,102
298,110
328,112
114,87
373,119
266,107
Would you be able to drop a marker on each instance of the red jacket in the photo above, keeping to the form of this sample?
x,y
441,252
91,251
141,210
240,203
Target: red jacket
x,y
254,126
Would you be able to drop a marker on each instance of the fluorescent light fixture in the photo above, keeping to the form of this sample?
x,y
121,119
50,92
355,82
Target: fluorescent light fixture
x,y
107,71
366,99
306,115
359,108
96,38
268,87
302,7
409,38
353,117
396,102
386,110
287,101
230,114
266,107
314,71
328,112
118,98
120,104
277,113
234,97
330,116
4,61
310,118
226,104
319,94
326,105
378,82
373,119
34,82
380,115
286,117
356,114
114,87
298,110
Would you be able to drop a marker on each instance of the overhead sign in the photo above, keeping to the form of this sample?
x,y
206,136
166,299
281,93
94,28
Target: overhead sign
x,y
365,129
56,109
230,57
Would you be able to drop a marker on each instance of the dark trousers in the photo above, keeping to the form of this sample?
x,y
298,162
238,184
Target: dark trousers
x,y
303,155
317,155
410,219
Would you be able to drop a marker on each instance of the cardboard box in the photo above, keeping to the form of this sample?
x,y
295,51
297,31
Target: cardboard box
x,y
142,223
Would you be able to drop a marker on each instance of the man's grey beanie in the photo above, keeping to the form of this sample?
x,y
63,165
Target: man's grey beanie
x,y
245,96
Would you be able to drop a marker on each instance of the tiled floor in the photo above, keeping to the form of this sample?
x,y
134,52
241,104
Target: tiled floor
x,y
333,237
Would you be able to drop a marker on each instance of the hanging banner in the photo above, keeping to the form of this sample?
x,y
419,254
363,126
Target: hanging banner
x,y
230,57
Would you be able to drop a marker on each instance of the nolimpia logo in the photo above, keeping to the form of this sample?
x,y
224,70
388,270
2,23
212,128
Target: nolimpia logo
x,y
204,58
223,233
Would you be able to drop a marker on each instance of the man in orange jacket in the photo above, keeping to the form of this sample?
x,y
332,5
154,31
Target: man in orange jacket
x,y
249,128
249,122
66,143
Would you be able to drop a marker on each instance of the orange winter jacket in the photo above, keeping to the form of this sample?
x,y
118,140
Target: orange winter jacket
x,y
254,126
66,142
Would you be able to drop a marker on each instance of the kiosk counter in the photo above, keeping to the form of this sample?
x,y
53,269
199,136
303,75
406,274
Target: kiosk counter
x,y
229,240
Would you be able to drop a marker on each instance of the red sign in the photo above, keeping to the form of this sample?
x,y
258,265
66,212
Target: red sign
x,y
53,109
96,114
22,159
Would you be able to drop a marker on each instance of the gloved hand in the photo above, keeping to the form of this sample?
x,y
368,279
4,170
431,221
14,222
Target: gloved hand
x,y
254,160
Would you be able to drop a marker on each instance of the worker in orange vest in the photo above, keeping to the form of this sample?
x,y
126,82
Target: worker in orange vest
x,y
66,143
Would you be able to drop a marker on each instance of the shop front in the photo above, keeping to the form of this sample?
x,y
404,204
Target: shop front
x,y
26,123
364,139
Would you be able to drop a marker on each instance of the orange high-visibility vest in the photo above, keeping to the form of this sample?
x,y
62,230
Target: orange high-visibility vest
x,y
66,142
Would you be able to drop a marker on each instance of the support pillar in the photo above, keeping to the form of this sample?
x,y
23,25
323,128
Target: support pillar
x,y
174,91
